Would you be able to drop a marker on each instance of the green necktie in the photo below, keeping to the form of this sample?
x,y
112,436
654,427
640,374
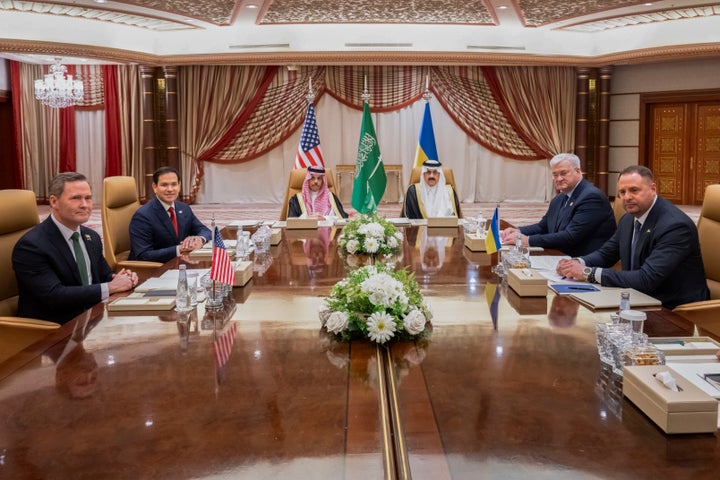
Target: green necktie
x,y
80,258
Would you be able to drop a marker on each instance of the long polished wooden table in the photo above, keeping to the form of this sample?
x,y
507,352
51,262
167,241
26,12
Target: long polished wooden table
x,y
516,394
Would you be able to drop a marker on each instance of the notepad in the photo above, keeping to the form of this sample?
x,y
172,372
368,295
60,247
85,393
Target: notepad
x,y
610,298
142,303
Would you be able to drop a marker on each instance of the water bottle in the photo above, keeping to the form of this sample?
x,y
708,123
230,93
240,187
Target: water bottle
x,y
242,246
182,294
624,301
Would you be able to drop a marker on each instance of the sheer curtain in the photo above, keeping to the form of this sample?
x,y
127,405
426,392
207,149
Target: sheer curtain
x,y
482,176
90,148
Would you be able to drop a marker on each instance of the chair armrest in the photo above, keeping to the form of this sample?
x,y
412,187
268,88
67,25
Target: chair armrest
x,y
138,264
29,323
705,315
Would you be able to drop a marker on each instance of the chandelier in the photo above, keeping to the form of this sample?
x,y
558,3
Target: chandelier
x,y
58,90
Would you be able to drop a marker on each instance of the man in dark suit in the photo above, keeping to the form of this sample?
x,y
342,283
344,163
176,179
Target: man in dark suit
x,y
656,242
164,228
579,218
59,264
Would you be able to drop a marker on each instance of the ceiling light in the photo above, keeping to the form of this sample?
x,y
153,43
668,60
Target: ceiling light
x,y
58,90
251,5
502,7
100,1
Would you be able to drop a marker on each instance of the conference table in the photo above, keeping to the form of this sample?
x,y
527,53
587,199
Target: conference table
x,y
504,386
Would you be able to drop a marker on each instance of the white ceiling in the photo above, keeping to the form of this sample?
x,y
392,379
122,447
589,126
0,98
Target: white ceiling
x,y
583,32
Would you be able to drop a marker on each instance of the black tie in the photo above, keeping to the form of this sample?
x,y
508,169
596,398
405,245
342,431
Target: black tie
x,y
636,235
565,201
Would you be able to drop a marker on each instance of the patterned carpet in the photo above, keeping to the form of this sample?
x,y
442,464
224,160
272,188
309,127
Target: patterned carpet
x,y
515,213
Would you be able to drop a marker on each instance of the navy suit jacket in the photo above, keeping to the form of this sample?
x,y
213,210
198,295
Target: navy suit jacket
x,y
49,283
668,264
152,236
582,226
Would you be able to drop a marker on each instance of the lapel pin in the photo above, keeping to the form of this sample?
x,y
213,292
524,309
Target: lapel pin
x,y
572,203
87,237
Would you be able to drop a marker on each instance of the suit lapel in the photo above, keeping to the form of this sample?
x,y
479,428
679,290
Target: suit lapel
x,y
60,245
164,219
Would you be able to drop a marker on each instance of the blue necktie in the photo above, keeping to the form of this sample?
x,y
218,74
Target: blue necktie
x,y
636,235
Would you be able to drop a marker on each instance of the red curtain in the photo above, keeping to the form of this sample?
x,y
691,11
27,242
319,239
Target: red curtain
x,y
113,148
67,134
16,88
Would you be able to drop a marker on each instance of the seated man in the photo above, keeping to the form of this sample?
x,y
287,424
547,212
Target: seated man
x,y
164,228
315,200
59,264
656,242
579,218
436,199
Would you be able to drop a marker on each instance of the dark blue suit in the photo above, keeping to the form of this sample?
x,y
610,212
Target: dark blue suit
x,y
579,227
48,278
668,264
152,236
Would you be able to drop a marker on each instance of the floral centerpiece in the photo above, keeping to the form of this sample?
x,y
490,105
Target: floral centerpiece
x,y
378,303
370,234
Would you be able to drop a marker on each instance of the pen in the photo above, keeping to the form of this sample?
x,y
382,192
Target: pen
x,y
586,289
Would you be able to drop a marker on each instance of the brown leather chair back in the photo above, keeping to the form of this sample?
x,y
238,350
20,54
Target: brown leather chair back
x,y
295,181
119,203
448,172
618,209
18,214
709,233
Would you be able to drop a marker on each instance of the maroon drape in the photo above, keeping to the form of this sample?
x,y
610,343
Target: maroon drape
x,y
16,89
67,134
113,149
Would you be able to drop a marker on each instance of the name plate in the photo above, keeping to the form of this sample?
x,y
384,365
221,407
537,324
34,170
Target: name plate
x,y
442,222
302,223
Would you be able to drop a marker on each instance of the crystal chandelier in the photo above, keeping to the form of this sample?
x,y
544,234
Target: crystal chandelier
x,y
58,90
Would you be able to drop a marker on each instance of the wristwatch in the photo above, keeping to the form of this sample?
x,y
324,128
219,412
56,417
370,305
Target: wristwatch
x,y
589,274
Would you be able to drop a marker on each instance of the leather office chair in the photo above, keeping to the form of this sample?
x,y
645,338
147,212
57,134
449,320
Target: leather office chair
x,y
449,180
706,315
618,209
18,214
18,333
295,181
119,203
448,172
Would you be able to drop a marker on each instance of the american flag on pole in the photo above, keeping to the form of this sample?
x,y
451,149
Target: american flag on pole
x,y
222,349
221,269
309,153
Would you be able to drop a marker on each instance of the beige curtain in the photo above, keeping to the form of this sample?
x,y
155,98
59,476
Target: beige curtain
x,y
210,98
540,103
131,124
40,135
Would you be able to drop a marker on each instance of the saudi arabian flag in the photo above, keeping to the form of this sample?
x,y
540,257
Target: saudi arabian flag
x,y
370,180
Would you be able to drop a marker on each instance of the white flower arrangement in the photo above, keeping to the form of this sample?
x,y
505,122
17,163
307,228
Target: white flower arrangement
x,y
370,235
377,303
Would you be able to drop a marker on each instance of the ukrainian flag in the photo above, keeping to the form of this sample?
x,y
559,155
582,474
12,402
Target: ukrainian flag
x,y
492,239
426,149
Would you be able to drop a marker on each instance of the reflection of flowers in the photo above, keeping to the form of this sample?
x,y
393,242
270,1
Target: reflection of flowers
x,y
377,303
370,235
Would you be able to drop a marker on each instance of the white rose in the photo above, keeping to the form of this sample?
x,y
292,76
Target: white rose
x,y
337,322
414,322
352,246
324,313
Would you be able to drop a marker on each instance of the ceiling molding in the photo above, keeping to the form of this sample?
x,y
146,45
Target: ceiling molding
x,y
648,55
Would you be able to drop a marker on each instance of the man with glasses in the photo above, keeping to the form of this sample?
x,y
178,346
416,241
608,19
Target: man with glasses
x,y
579,218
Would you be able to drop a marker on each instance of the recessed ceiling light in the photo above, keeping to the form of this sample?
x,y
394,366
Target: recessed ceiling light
x,y
502,7
100,1
648,4
251,5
